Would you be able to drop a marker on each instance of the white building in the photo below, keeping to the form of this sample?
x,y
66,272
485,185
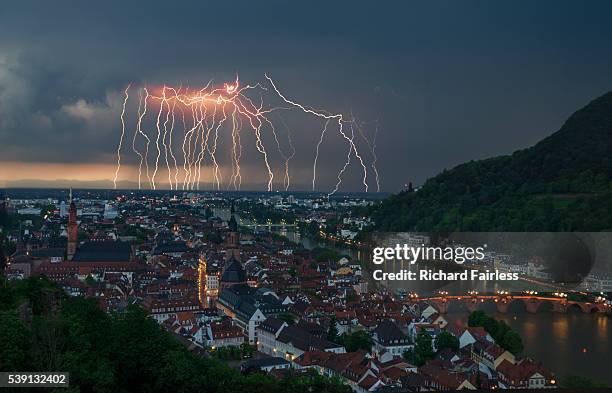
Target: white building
x,y
267,333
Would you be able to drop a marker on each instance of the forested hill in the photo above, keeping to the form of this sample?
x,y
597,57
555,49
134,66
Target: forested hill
x,y
563,183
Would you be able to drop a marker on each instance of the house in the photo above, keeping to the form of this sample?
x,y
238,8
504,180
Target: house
x,y
389,338
314,360
265,364
525,374
224,334
428,310
174,249
293,341
490,354
161,308
470,335
356,368
437,319
414,328
199,334
369,384
267,333
248,307
438,378
346,321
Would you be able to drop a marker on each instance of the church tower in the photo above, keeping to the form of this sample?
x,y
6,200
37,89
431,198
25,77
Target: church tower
x,y
72,229
233,272
233,238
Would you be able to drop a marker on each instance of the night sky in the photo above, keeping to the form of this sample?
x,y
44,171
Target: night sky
x,y
446,81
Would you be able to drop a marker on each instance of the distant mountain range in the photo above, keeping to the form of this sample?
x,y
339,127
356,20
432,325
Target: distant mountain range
x,y
563,183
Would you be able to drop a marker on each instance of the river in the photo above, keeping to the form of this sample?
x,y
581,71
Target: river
x,y
571,343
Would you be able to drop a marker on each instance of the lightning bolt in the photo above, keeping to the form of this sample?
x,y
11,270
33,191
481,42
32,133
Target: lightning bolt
x,y
375,158
314,166
211,114
372,147
122,135
159,113
346,164
139,129
176,169
340,119
236,178
164,139
289,158
136,134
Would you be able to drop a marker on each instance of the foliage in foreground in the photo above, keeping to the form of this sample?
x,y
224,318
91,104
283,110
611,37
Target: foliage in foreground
x,y
44,330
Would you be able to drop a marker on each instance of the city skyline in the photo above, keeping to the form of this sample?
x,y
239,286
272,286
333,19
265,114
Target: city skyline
x,y
346,196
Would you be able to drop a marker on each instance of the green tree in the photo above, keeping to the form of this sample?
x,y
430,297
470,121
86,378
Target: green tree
x,y
476,318
14,343
122,352
491,326
503,335
357,340
332,330
446,340
423,350
247,350
517,192
326,255
512,342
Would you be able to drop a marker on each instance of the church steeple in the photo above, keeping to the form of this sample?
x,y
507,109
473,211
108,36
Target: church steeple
x,y
232,223
233,237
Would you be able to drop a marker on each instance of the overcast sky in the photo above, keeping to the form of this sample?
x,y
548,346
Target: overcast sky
x,y
445,82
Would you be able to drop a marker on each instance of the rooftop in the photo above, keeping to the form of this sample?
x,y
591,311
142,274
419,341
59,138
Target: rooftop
x,y
103,251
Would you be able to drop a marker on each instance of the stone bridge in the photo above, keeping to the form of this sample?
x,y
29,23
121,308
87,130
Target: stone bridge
x,y
503,301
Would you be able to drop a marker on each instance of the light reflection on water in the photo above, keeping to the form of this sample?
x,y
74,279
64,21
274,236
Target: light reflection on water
x,y
557,340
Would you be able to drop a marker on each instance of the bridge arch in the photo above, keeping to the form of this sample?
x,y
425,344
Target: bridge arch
x,y
513,304
538,305
458,306
488,305
546,306
516,306
586,308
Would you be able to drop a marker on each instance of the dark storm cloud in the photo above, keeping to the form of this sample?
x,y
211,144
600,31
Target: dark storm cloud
x,y
447,81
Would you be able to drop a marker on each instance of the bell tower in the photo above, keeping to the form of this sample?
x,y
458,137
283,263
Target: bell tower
x,y
233,237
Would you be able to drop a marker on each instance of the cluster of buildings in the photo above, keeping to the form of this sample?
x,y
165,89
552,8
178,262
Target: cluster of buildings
x,y
479,362
216,286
